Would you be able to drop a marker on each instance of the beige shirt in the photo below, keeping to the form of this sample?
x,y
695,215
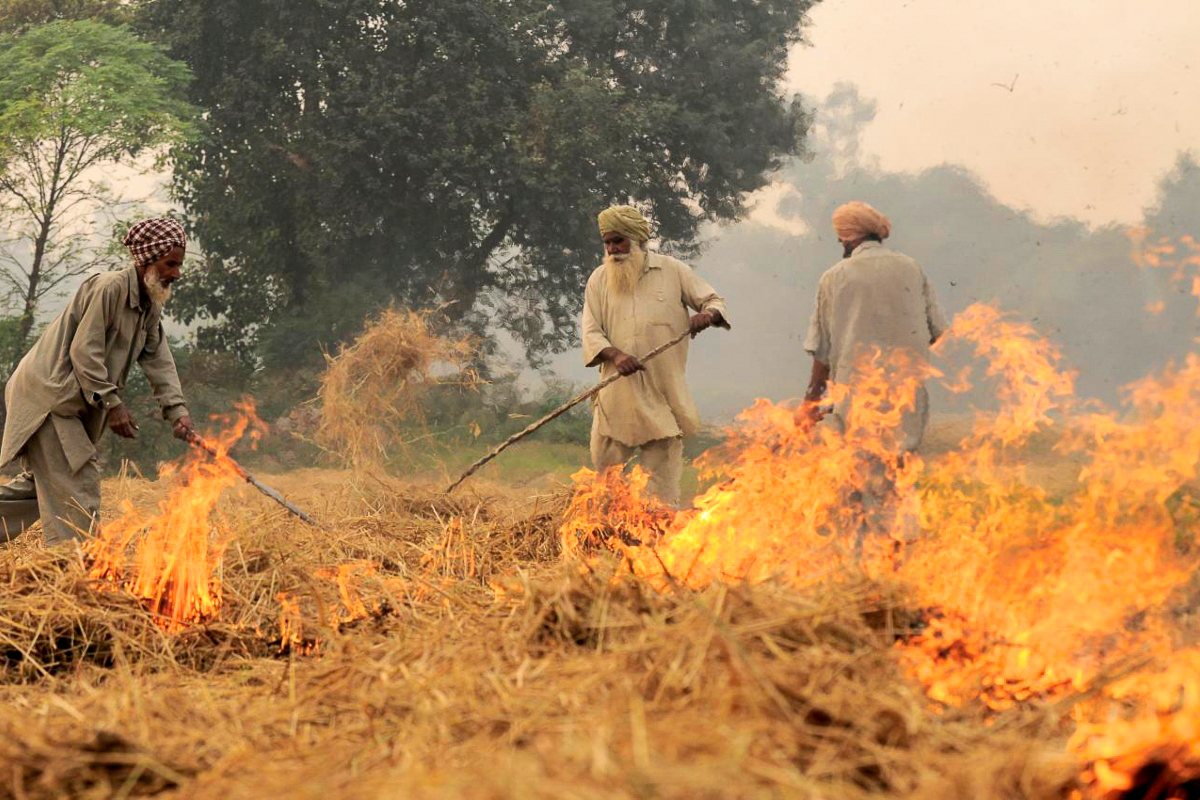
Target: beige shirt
x,y
875,298
77,369
653,403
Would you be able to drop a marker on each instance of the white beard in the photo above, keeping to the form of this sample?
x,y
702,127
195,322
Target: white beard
x,y
624,270
158,291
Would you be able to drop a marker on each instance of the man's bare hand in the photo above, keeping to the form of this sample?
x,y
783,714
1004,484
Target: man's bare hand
x,y
698,322
121,422
625,363
182,429
808,415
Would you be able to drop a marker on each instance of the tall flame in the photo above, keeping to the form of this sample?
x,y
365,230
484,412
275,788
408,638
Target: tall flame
x,y
1026,594
171,559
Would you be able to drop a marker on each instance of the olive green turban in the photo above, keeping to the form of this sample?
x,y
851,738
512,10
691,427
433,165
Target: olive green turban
x,y
625,220
858,220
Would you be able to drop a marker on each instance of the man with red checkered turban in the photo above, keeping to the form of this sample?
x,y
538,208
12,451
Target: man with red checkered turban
x,y
69,387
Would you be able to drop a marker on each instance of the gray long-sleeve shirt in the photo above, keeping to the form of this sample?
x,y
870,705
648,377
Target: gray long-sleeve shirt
x,y
77,369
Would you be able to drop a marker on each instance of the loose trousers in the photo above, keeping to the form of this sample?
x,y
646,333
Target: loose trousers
x,y
67,502
661,458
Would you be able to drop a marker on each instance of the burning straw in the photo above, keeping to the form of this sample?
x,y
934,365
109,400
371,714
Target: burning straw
x,y
171,559
485,666
435,647
372,391
1028,600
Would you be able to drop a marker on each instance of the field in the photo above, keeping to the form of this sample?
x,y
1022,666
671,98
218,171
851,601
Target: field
x,y
1012,616
563,684
434,647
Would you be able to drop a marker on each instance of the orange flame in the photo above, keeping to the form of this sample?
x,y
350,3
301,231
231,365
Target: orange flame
x,y
1178,260
176,554
1025,594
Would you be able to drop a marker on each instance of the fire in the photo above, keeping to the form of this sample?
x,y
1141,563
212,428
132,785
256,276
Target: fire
x,y
1178,260
1159,744
1026,595
342,595
171,559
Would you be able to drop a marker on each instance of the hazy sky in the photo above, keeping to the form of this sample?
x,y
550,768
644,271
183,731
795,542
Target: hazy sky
x,y
1098,97
1104,93
1063,107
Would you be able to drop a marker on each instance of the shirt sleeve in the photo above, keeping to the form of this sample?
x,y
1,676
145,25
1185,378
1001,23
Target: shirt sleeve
x,y
87,345
933,313
817,342
159,365
592,331
699,295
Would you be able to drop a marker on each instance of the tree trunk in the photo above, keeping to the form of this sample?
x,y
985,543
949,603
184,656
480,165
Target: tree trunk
x,y
40,244
471,270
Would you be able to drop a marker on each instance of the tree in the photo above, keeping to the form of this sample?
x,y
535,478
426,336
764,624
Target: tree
x,y
17,15
76,97
456,151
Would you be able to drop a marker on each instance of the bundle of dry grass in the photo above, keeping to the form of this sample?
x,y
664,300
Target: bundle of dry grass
x,y
371,391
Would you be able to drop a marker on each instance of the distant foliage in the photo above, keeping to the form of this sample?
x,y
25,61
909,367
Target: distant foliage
x,y
360,152
76,97
19,15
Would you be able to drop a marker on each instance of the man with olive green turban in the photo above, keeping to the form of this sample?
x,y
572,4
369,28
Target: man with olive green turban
x,y
635,301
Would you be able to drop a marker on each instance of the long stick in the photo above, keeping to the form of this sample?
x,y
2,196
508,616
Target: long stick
x,y
558,412
274,494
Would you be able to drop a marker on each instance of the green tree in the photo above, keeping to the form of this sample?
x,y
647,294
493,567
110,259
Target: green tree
x,y
76,98
456,151
17,15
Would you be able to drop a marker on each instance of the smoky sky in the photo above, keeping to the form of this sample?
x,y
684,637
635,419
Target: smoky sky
x,y
1078,285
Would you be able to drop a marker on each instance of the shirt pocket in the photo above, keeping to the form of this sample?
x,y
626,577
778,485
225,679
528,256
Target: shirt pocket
x,y
663,306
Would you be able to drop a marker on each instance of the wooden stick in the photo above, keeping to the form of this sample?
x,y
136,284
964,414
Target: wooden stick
x,y
274,494
558,412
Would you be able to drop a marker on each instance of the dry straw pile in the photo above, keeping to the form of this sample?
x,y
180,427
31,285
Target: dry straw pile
x,y
370,396
434,647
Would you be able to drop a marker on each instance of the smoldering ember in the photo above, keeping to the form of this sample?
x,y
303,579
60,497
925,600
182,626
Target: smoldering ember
x,y
541,400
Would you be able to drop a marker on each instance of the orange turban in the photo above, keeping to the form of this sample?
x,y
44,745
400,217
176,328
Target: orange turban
x,y
858,220
625,220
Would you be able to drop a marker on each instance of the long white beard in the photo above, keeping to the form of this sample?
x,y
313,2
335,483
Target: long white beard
x,y
158,291
624,270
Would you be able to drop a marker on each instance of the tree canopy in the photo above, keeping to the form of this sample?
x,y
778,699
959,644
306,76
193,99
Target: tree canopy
x,y
75,97
456,152
17,15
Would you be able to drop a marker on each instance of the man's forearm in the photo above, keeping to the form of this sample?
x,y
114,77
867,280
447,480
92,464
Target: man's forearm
x,y
817,381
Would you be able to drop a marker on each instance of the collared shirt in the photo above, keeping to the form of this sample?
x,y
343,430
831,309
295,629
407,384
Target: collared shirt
x,y
77,369
876,298
653,403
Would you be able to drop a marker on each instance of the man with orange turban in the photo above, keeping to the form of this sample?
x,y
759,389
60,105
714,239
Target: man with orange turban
x,y
875,317
69,387
635,301
874,300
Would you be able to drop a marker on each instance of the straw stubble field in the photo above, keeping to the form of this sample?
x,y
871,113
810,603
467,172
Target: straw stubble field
x,y
433,647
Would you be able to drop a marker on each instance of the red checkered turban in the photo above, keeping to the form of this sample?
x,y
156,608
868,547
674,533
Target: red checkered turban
x,y
151,239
